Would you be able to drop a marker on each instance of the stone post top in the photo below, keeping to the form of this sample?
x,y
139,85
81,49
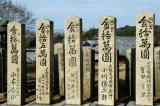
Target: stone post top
x,y
72,18
103,17
14,22
145,13
58,44
86,48
43,19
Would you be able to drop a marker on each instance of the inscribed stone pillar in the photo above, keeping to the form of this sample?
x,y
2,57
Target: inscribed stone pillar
x,y
59,51
144,58
44,61
15,63
130,54
88,72
107,61
73,61
157,71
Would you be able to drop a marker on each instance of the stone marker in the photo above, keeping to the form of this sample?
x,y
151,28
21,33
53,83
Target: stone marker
x,y
44,61
15,63
144,58
59,51
88,73
130,54
157,71
107,61
73,61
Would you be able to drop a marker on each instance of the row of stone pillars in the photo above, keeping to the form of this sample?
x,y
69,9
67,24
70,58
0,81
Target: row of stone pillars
x,y
75,64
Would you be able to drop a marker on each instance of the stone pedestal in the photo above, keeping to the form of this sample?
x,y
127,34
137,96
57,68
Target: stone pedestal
x,y
107,61
16,64
73,61
44,61
144,58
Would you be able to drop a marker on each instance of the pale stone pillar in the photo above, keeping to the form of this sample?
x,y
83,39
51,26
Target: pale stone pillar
x,y
59,52
144,58
157,71
107,61
73,60
88,73
44,61
15,63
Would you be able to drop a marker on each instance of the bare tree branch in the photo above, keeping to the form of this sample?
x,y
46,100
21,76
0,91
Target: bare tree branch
x,y
14,12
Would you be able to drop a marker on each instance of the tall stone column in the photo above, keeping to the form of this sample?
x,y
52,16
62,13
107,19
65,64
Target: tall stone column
x,y
16,63
144,58
107,61
44,61
73,60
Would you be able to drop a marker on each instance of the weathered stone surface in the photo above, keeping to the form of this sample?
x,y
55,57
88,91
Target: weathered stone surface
x,y
157,71
44,61
117,77
144,58
59,52
107,61
73,60
16,64
130,54
88,73
1,71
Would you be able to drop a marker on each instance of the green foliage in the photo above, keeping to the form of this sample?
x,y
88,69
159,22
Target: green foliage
x,y
90,34
126,31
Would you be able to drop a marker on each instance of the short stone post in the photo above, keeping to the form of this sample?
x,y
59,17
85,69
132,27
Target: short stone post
x,y
130,54
1,71
157,71
59,52
88,73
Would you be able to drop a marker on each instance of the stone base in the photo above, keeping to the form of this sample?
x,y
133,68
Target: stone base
x,y
131,103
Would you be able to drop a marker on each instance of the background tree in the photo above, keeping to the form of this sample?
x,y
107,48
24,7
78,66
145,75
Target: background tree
x,y
90,34
10,11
